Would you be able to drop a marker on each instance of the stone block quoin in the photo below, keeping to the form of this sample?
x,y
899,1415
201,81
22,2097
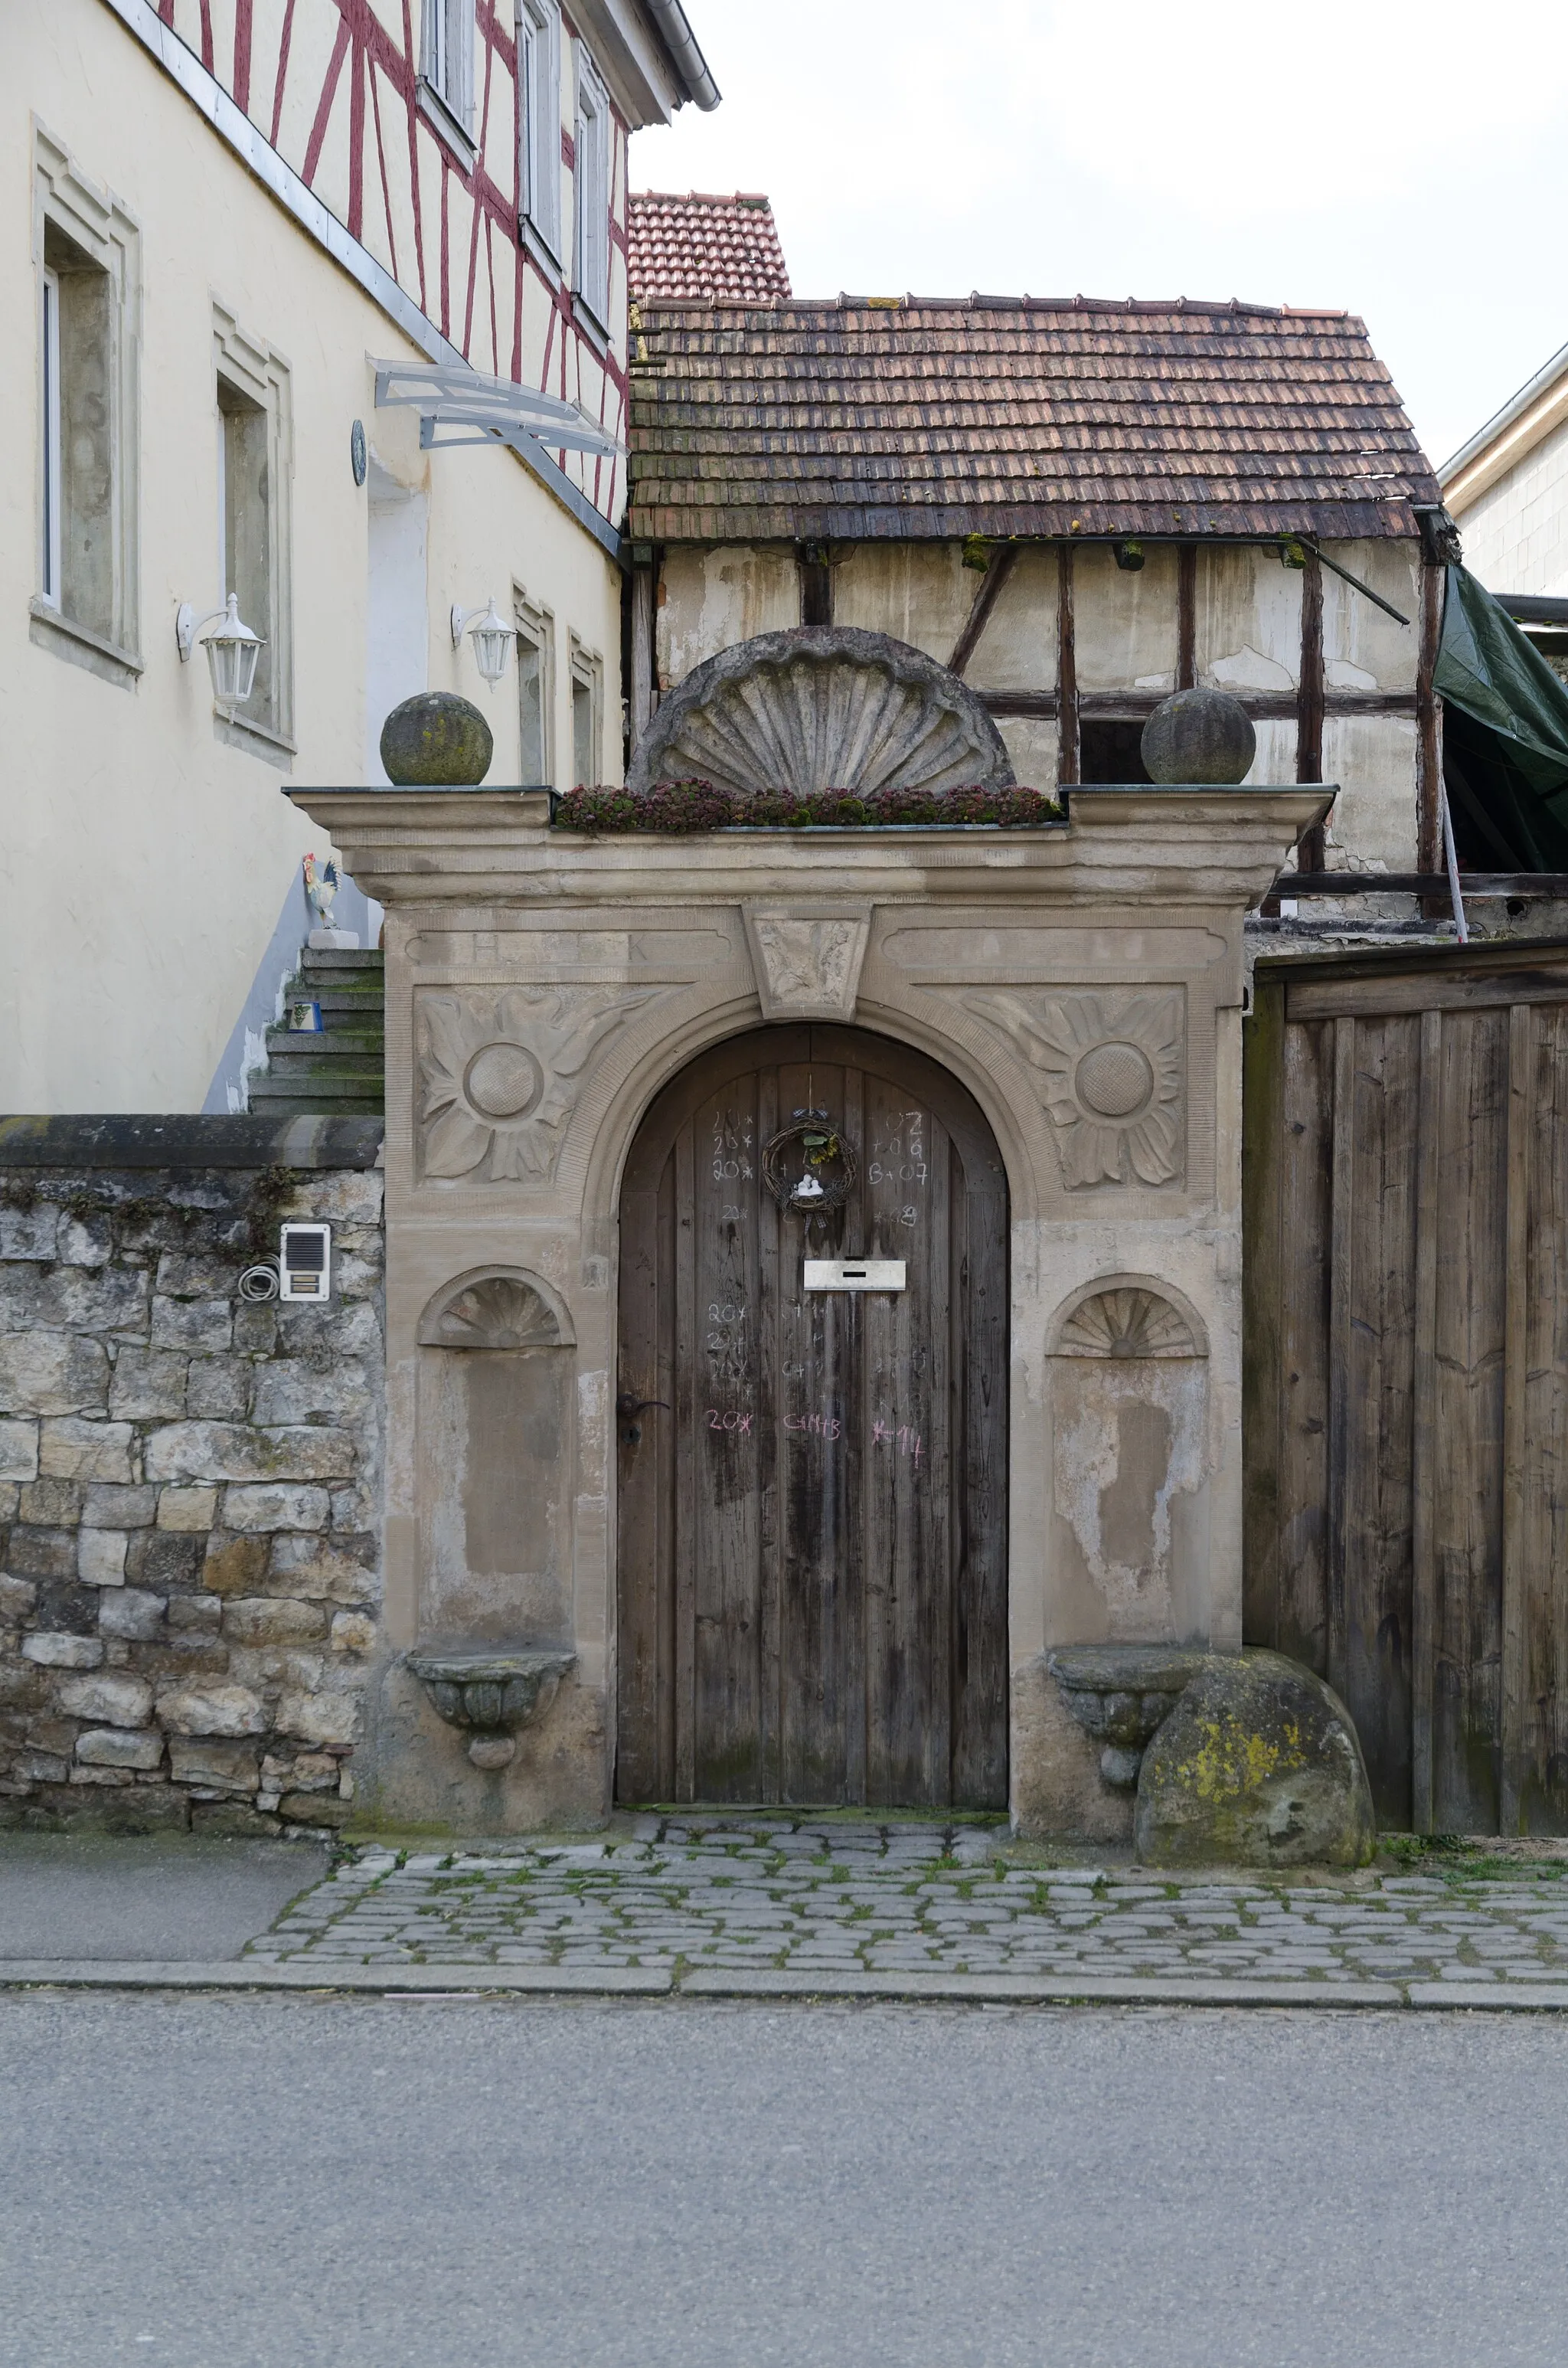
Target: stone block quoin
x,y
190,1561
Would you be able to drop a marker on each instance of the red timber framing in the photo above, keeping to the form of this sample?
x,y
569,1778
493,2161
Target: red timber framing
x,y
333,86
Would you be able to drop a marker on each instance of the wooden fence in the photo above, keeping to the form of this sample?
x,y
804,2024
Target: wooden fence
x,y
1406,1379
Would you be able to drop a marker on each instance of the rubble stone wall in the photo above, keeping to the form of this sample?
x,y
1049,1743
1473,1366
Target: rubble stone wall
x,y
190,1568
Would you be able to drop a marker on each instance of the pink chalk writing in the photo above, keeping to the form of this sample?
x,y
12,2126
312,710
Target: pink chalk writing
x,y
728,1419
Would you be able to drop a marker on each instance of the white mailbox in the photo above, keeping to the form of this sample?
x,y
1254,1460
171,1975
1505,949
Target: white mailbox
x,y
854,1274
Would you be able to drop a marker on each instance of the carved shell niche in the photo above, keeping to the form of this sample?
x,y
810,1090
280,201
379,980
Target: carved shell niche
x,y
825,707
1126,1323
492,1311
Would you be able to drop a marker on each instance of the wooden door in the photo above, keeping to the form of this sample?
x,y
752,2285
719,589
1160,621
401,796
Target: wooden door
x,y
1405,1430
812,1570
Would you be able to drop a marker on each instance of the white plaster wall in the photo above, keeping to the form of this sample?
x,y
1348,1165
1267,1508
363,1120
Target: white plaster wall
x,y
1248,620
1124,620
709,600
1363,647
920,593
145,861
1017,649
1374,760
1031,742
1515,535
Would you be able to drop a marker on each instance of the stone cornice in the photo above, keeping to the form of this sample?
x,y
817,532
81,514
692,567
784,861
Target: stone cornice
x,y
1216,848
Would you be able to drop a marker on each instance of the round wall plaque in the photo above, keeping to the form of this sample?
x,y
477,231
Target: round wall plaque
x,y
356,450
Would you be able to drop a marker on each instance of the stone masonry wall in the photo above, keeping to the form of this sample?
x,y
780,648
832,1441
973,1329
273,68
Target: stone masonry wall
x,y
189,1500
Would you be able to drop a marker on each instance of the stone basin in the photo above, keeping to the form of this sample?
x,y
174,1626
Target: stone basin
x,y
1122,1693
492,1695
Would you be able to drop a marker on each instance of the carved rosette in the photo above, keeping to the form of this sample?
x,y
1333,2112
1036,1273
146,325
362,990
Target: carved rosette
x,y
1112,1071
498,1076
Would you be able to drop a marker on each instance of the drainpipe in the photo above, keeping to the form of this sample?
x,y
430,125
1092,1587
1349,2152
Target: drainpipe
x,y
681,43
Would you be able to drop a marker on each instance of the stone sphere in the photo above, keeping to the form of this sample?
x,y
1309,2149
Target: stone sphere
x,y
1200,735
436,739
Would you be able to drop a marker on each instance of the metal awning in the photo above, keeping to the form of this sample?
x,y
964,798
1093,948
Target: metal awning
x,y
458,405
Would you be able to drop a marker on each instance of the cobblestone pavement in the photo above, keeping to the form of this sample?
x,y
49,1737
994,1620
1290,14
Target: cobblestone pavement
x,y
774,1893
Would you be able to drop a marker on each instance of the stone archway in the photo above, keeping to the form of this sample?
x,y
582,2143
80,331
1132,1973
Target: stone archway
x,y
812,1501
823,708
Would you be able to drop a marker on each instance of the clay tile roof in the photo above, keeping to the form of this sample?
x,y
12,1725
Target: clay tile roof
x,y
702,249
915,416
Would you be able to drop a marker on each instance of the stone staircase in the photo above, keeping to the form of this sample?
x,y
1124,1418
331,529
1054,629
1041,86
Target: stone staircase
x,y
340,1072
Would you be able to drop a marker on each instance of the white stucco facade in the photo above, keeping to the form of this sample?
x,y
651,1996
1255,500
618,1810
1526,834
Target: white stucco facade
x,y
148,850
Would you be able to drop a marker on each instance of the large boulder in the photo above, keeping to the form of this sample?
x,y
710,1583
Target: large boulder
x,y
1257,1765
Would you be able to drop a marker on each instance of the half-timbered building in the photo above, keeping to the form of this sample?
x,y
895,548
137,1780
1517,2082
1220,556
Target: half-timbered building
x,y
278,257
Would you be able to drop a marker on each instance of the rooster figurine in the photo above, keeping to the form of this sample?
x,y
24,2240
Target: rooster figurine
x,y
320,890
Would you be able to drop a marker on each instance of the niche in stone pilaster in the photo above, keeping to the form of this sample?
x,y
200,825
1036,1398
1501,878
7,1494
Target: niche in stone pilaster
x,y
1129,1465
495,1393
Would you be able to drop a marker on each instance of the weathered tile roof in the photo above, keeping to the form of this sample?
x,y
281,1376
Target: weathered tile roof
x,y
703,250
1014,415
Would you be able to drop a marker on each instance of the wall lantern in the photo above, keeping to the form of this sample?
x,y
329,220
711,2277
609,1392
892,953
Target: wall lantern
x,y
232,652
492,638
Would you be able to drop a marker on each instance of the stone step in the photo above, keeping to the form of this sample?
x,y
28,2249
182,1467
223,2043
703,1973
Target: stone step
x,y
314,1105
339,1067
344,961
315,1091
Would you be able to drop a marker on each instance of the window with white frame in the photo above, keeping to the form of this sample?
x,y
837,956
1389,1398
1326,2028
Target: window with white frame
x,y
539,119
88,304
590,258
535,692
445,58
587,701
253,424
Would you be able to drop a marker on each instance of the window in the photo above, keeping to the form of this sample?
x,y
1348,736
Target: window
x,y
590,256
538,120
535,673
588,676
254,453
447,58
1110,750
84,607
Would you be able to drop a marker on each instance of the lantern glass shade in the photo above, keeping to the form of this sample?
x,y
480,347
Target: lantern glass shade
x,y
492,639
231,655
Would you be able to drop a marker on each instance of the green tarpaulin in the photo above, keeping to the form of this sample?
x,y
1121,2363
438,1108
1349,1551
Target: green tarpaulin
x,y
1505,734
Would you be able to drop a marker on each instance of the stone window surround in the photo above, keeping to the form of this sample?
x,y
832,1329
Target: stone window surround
x,y
588,669
258,370
103,227
536,623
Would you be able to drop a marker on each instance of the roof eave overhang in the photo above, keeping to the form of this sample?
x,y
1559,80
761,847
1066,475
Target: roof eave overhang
x,y
640,61
1526,420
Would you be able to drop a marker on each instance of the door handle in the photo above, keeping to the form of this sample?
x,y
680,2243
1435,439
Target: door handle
x,y
629,1408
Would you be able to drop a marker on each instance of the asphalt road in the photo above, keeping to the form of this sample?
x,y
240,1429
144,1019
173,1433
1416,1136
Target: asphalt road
x,y
331,2183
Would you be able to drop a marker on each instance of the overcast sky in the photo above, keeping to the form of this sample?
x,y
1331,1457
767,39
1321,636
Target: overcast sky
x,y
1404,159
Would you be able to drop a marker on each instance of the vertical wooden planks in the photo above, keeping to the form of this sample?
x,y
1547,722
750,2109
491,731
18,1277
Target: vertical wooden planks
x,y
1424,1426
1379,1353
727,1450
816,1556
1469,1347
1516,1345
1542,1781
1342,1273
1300,1626
687,1517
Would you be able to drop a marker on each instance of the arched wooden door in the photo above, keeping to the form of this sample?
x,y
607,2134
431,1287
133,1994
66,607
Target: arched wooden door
x,y
811,1557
